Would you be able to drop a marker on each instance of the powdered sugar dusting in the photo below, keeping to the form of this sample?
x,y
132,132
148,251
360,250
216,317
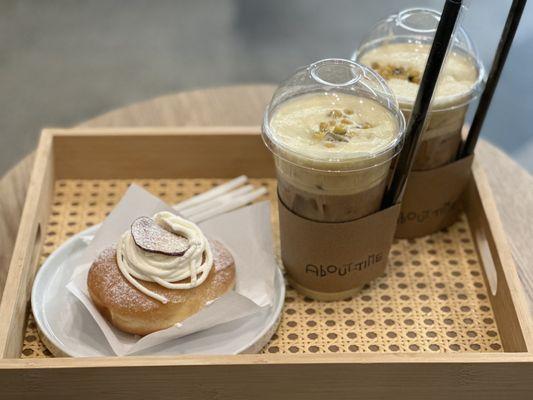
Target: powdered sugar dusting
x,y
106,279
152,237
222,258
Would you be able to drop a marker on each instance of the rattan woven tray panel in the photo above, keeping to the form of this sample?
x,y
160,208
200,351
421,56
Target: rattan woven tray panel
x,y
432,299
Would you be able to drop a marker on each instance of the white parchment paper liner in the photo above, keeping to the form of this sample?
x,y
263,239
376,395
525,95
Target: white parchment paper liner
x,y
246,232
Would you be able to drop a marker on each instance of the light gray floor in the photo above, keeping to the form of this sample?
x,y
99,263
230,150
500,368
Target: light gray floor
x,y
65,61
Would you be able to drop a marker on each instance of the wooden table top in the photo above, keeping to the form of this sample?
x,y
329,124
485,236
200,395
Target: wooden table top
x,y
244,105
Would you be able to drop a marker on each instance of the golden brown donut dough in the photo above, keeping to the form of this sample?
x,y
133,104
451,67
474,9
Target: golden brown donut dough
x,y
132,311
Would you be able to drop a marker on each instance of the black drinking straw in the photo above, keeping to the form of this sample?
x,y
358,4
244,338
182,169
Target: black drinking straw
x,y
509,30
442,38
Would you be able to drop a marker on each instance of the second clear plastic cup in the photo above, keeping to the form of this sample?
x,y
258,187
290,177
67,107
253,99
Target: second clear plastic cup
x,y
397,48
334,128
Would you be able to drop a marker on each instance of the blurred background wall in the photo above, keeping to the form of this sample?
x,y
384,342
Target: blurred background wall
x,y
62,61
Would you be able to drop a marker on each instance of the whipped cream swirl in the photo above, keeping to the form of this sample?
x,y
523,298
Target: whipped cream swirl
x,y
196,263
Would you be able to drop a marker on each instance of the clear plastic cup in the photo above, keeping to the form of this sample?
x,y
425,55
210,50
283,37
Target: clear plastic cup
x,y
334,128
397,48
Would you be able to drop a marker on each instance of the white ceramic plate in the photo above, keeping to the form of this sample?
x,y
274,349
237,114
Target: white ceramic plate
x,y
55,310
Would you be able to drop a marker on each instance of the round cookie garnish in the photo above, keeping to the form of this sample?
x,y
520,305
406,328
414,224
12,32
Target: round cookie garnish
x,y
151,237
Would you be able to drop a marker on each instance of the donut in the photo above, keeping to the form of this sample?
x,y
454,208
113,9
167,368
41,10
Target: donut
x,y
132,311
160,272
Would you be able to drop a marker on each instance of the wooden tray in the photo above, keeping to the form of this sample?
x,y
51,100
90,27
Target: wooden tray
x,y
430,328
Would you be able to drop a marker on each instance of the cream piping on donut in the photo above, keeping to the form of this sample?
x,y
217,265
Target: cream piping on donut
x,y
196,263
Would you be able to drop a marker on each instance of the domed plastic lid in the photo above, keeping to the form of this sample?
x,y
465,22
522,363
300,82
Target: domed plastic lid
x,y
417,26
335,78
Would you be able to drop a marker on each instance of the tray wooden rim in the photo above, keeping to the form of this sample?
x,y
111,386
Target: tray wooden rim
x,y
19,276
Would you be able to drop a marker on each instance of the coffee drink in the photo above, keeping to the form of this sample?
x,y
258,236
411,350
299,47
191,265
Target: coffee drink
x,y
402,66
334,129
335,154
398,48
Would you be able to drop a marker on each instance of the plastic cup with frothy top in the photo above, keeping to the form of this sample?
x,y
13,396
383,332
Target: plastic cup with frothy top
x,y
397,48
334,128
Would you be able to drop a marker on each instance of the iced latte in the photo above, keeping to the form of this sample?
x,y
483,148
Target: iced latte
x,y
332,143
334,129
400,58
334,147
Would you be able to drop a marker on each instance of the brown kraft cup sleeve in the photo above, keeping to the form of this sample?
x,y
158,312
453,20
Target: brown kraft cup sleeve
x,y
335,257
431,201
